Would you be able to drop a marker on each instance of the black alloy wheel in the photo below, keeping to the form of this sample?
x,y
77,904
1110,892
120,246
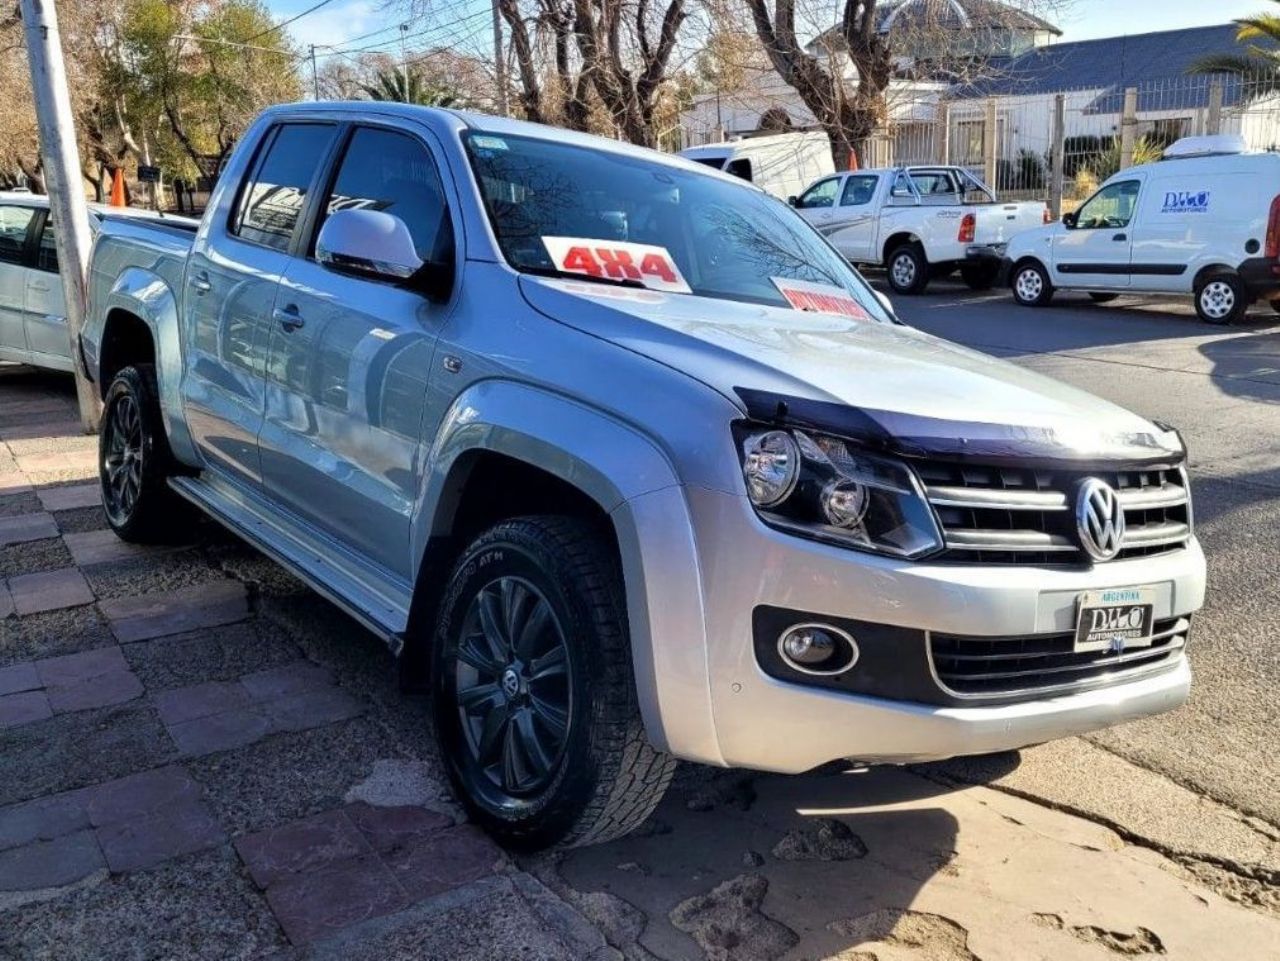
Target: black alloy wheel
x,y
122,459
512,686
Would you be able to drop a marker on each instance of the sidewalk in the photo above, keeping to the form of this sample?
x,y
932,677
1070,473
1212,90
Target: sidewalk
x,y
200,758
180,779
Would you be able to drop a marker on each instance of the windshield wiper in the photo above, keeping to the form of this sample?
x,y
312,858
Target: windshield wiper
x,y
574,275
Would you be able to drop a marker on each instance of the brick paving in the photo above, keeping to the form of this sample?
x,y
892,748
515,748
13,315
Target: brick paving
x,y
182,734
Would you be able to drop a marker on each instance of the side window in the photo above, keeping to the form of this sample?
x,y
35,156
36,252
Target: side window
x,y
14,223
740,168
821,194
272,202
858,190
1110,207
385,170
47,252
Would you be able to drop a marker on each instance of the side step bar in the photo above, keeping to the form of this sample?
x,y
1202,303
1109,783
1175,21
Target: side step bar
x,y
336,582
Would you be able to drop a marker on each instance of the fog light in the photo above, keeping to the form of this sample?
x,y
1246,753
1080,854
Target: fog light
x,y
818,649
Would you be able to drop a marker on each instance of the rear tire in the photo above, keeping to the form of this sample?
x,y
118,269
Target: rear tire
x,y
980,277
1030,284
533,689
134,462
1101,298
908,270
1275,305
1221,298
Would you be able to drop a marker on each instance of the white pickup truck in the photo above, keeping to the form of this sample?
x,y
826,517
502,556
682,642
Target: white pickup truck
x,y
918,222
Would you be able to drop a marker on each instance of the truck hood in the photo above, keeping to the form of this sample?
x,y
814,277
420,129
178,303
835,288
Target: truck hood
x,y
890,384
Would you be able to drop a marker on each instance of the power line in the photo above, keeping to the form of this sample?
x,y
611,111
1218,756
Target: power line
x,y
279,26
435,32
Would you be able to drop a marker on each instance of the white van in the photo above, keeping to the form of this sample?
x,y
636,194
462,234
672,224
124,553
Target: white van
x,y
1204,220
782,164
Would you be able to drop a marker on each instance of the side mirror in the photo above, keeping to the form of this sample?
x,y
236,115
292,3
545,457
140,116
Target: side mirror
x,y
1069,221
792,200
368,243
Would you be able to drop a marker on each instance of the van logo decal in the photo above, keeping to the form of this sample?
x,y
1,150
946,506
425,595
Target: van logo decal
x,y
1186,202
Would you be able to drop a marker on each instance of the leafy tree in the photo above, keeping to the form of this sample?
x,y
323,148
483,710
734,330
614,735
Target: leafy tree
x,y
1260,62
399,87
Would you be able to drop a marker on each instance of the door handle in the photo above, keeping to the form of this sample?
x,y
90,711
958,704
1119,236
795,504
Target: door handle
x,y
43,288
1119,237
288,318
200,282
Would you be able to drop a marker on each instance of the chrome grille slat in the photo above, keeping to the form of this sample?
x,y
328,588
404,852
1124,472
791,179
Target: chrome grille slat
x,y
988,540
1026,515
1182,626
1002,667
995,499
1149,535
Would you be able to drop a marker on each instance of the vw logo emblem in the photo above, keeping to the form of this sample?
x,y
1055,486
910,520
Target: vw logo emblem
x,y
1099,519
510,683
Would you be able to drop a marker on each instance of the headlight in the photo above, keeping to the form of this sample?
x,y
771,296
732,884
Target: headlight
x,y
822,487
770,464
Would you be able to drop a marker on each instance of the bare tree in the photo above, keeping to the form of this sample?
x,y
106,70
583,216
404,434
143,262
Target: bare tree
x,y
847,116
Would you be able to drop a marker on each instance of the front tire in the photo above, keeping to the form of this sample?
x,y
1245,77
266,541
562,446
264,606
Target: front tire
x,y
134,461
1221,298
533,691
1031,286
908,270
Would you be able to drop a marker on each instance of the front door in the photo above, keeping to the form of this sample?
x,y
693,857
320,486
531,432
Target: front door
x,y
16,222
47,337
818,204
230,289
852,227
1097,250
346,395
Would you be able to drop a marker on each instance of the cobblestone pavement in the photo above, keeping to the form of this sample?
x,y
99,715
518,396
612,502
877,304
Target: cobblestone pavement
x,y
200,758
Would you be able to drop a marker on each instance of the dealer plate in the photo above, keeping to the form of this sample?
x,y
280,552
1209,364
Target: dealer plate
x,y
1115,619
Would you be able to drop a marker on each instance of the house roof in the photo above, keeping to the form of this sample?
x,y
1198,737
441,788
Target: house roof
x,y
922,15
1156,64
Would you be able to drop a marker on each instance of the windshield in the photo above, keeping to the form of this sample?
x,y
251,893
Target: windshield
x,y
727,241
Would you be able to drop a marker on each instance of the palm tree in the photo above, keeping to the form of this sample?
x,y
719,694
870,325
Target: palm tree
x,y
1258,64
401,87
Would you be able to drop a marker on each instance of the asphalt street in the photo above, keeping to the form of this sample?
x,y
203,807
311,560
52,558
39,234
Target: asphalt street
x,y
1221,388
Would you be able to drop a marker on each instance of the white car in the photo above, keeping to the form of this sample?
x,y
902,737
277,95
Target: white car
x,y
1205,220
33,313
918,222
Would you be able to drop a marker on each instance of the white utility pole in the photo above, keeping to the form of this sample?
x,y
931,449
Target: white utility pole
x,y
404,59
315,76
499,61
63,180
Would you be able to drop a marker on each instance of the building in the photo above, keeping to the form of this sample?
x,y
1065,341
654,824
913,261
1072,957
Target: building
x,y
936,45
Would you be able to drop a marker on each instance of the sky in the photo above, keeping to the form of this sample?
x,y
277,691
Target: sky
x,y
467,22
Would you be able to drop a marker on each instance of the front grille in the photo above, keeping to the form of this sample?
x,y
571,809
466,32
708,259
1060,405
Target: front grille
x,y
1003,515
1008,666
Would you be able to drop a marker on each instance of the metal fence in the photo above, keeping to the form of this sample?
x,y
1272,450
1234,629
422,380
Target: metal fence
x,y
1059,146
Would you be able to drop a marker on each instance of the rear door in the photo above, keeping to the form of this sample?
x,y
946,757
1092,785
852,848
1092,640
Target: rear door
x,y
16,225
1095,253
46,304
346,396
231,280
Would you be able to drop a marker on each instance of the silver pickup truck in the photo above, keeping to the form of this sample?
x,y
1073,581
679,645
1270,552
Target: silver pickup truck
x,y
628,464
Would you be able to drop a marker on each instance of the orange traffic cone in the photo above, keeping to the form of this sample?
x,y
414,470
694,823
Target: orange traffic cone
x,y
853,160
117,188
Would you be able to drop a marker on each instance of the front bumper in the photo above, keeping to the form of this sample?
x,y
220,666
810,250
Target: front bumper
x,y
766,723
